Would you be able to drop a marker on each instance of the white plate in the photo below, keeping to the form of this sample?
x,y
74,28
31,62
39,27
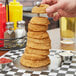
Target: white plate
x,y
55,63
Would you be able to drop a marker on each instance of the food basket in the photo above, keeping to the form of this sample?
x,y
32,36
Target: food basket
x,y
13,43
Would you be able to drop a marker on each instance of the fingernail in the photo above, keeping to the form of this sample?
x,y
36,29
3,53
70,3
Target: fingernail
x,y
47,10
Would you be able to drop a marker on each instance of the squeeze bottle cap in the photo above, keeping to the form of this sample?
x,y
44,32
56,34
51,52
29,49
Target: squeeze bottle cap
x,y
10,25
14,3
0,4
21,22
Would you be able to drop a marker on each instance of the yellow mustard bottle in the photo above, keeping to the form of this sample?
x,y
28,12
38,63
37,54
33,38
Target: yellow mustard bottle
x,y
15,12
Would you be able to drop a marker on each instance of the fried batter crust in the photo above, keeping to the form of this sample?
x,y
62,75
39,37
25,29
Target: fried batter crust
x,y
40,21
37,51
34,64
36,27
40,9
38,45
37,35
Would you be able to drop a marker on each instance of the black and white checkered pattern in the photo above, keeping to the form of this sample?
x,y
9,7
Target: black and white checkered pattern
x,y
67,68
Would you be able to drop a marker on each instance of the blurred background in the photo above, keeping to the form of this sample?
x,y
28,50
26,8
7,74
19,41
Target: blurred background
x,y
27,15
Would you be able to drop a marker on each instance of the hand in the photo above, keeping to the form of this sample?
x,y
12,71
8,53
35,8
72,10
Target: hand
x,y
65,8
49,2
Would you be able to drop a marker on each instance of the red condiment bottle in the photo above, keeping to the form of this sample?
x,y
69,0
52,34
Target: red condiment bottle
x,y
2,23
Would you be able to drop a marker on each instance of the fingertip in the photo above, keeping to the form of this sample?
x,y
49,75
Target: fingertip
x,y
56,18
47,10
51,9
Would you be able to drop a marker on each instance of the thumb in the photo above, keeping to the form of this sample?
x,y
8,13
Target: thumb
x,y
54,8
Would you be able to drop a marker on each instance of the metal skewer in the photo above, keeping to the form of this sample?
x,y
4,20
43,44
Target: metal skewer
x,y
38,14
38,5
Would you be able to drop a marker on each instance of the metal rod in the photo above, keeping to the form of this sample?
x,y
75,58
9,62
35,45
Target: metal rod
x,y
38,15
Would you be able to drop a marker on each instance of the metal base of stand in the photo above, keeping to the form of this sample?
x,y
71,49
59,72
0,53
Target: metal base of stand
x,y
14,48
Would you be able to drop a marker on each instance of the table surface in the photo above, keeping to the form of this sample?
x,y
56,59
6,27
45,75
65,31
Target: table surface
x,y
67,68
54,35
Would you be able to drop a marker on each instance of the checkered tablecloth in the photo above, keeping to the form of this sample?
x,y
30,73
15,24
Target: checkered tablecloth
x,y
67,68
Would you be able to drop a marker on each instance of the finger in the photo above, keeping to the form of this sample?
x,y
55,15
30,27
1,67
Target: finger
x,y
53,1
43,2
55,18
53,8
50,14
63,13
46,2
49,2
